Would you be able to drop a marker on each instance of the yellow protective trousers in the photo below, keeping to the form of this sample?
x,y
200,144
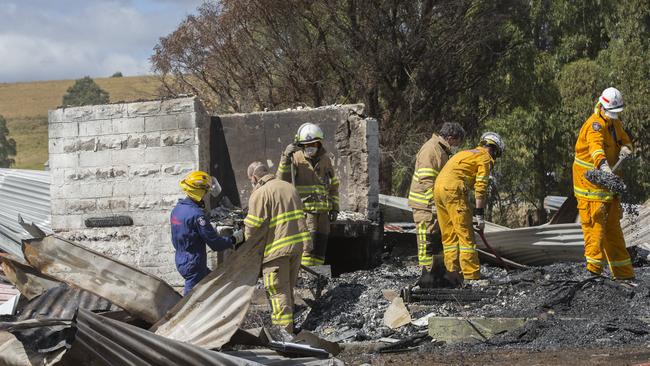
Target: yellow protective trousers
x,y
318,225
455,220
280,277
604,240
425,227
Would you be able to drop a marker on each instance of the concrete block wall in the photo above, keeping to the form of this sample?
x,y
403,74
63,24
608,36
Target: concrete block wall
x,y
350,137
125,159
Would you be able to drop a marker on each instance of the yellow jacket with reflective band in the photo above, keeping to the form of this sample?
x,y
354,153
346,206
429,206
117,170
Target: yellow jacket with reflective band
x,y
316,181
276,218
468,168
430,159
599,138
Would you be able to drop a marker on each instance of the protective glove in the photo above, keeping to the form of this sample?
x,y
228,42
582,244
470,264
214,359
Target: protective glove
x,y
605,167
625,152
290,149
333,215
479,219
238,236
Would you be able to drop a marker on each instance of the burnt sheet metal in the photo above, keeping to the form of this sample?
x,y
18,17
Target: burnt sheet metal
x,y
27,280
35,342
212,312
62,302
553,203
269,357
538,245
137,292
107,341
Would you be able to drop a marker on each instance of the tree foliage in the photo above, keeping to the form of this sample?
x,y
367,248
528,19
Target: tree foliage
x,y
85,92
531,70
7,145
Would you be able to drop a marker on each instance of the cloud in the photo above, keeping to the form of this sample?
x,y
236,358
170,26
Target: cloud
x,y
44,39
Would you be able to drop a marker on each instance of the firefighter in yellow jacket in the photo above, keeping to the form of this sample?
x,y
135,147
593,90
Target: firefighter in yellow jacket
x,y
466,169
276,217
316,182
430,159
601,142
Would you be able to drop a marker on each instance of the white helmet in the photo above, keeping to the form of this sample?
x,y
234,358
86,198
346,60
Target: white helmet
x,y
611,100
493,139
308,133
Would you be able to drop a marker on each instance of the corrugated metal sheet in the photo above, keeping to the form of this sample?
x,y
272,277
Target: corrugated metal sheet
x,y
137,292
28,280
7,292
538,245
212,312
62,303
26,193
553,203
636,228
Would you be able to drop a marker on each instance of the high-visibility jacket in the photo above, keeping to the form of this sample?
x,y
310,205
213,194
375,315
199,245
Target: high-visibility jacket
x,y
599,138
315,179
468,168
430,159
276,218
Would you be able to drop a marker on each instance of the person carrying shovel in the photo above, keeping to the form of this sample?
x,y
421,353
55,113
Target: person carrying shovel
x,y
601,142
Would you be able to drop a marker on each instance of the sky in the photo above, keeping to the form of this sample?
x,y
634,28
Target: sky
x,y
69,39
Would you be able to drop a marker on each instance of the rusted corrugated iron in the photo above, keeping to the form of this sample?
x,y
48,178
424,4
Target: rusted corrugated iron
x,y
28,280
62,302
137,292
212,312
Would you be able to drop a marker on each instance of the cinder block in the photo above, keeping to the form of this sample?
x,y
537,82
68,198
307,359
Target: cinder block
x,y
143,109
188,153
168,202
179,137
154,218
80,206
55,116
78,114
160,155
162,122
79,144
67,222
144,203
178,105
127,157
73,175
178,169
193,120
127,189
66,129
55,145
57,177
59,161
109,111
111,173
94,159
95,128
128,125
113,204
96,189
111,142
150,170
57,207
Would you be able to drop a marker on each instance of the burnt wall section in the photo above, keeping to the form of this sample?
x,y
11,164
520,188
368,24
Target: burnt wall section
x,y
351,138
125,159
220,164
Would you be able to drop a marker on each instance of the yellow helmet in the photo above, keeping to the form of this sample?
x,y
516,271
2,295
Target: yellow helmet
x,y
197,183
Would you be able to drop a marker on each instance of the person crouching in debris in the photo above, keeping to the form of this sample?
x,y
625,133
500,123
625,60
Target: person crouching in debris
x,y
430,159
276,217
306,164
600,143
192,231
450,194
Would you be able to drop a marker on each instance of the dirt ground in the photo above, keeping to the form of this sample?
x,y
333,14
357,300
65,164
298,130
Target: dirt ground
x,y
625,355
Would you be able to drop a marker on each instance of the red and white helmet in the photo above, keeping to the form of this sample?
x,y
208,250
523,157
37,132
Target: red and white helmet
x,y
611,100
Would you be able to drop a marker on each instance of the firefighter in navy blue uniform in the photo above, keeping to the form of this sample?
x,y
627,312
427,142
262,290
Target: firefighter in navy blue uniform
x,y
192,231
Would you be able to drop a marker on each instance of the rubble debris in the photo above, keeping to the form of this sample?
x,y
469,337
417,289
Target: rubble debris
x,y
35,342
397,314
607,180
313,340
437,295
270,357
30,282
469,329
389,294
135,291
211,313
295,349
407,344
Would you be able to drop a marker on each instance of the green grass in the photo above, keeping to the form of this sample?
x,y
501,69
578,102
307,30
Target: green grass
x,y
25,107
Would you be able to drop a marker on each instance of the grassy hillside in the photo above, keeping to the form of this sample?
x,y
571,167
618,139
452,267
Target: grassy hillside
x,y
25,107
